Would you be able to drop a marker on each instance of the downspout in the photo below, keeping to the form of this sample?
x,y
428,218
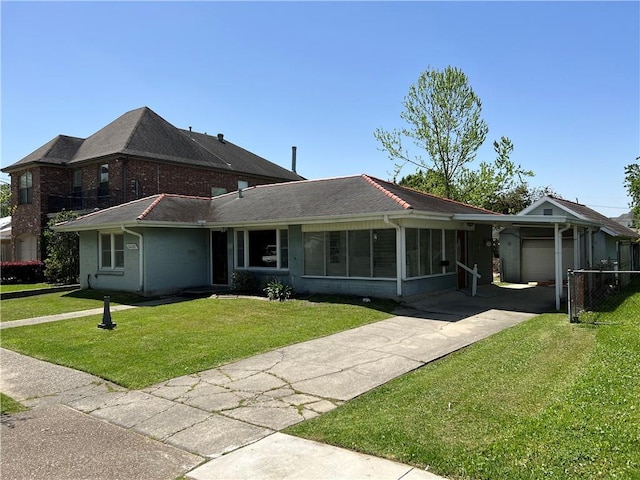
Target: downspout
x,y
140,255
558,261
399,254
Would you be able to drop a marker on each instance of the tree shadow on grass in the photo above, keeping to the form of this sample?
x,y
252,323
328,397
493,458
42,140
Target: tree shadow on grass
x,y
123,298
380,304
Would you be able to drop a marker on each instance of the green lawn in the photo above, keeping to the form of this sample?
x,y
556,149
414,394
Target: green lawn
x,y
16,287
151,344
8,405
544,399
61,302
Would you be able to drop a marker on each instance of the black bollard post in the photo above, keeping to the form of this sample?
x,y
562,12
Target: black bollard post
x,y
106,324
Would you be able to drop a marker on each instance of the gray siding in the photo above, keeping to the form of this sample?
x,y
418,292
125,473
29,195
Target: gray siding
x,y
92,277
437,283
479,253
176,259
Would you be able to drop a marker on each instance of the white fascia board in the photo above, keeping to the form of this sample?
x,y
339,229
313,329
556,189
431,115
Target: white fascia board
x,y
507,220
70,227
394,215
312,220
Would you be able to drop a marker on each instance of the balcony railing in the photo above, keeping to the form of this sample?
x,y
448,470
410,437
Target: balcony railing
x,y
86,200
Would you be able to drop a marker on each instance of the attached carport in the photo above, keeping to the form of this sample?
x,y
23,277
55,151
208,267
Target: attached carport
x,y
549,249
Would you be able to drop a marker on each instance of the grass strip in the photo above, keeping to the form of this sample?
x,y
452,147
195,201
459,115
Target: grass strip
x,y
8,405
17,287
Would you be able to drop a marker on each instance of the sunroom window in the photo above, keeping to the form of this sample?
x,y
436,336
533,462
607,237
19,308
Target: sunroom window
x,y
429,251
353,253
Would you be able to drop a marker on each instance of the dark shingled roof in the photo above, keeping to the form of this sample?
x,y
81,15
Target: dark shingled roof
x,y
359,195
143,133
589,214
59,151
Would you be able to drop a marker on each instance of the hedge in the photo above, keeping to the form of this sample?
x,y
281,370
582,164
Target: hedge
x,y
22,272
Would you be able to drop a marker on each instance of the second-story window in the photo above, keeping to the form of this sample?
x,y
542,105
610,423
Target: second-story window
x,y
103,189
25,188
77,189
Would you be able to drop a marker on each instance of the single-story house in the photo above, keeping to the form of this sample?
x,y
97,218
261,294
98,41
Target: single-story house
x,y
574,236
354,235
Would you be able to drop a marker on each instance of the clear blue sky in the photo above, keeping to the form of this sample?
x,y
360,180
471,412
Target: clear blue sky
x,y
560,79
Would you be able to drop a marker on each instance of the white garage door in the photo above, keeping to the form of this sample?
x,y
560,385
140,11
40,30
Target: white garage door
x,y
538,259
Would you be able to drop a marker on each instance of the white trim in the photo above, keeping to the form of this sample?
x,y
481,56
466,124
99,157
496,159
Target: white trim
x,y
112,251
246,266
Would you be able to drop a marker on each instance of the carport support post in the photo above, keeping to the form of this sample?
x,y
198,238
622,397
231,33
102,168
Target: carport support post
x,y
106,324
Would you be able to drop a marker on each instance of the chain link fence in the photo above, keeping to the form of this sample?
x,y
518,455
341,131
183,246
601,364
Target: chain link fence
x,y
594,294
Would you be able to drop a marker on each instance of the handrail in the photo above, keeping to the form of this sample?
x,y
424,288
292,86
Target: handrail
x,y
474,272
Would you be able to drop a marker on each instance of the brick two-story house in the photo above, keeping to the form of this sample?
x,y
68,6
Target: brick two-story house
x,y
137,155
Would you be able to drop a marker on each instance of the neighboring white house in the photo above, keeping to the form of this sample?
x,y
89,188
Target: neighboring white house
x,y
5,240
625,219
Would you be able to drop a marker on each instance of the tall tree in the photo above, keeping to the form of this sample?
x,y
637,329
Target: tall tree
x,y
493,182
5,200
443,114
632,183
62,264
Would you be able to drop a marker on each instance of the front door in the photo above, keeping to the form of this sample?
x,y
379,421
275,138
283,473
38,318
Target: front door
x,y
219,258
461,249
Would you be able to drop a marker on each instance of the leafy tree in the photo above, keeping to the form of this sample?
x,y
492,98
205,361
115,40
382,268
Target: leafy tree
x,y
443,116
489,185
62,264
5,200
632,183
497,186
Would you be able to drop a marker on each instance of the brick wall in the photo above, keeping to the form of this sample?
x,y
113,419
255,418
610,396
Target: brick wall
x,y
124,175
153,178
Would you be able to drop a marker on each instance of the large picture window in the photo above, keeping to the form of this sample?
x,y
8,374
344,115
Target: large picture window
x,y
353,253
262,249
111,251
429,251
25,188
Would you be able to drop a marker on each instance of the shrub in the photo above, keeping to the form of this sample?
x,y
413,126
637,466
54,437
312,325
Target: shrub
x,y
243,282
22,272
276,290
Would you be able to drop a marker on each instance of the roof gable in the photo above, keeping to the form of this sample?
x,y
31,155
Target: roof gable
x,y
581,212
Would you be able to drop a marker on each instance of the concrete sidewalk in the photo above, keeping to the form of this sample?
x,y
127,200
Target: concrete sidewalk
x,y
230,415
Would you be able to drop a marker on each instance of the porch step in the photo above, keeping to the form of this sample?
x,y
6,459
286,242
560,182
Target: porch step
x,y
207,291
